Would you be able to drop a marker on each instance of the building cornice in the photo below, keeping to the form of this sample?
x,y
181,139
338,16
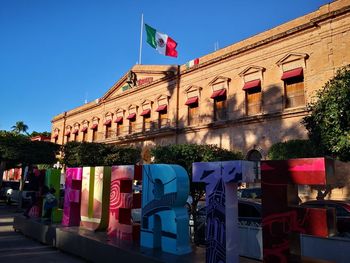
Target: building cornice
x,y
313,23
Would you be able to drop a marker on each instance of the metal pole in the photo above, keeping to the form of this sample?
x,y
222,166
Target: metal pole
x,y
141,39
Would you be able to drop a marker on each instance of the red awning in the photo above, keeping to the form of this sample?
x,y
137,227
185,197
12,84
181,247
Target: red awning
x,y
94,126
146,112
119,120
163,107
252,84
107,122
191,101
218,93
298,72
67,133
75,131
84,129
55,135
131,116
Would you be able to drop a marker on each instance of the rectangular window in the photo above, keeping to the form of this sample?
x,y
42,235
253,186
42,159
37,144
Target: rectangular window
x,y
253,101
146,123
83,136
193,114
132,125
294,92
163,119
108,131
119,128
220,108
94,135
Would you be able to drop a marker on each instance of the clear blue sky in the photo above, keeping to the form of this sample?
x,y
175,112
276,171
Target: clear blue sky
x,y
55,54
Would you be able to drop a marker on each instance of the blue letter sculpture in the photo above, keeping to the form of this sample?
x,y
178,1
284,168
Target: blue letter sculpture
x,y
221,180
164,222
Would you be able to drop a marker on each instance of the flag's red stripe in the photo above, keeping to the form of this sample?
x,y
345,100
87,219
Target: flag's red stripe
x,y
170,48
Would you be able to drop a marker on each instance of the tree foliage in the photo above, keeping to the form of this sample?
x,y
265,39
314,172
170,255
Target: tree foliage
x,y
329,123
12,148
293,149
18,150
78,154
35,133
20,127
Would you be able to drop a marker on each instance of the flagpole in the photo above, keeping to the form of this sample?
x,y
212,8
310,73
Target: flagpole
x,y
141,39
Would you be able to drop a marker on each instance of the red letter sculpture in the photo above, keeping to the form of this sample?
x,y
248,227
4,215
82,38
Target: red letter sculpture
x,y
283,220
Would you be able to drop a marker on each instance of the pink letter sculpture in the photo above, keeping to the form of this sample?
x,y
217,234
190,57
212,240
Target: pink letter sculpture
x,y
72,194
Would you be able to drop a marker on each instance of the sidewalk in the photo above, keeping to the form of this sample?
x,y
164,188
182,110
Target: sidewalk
x,y
15,247
94,247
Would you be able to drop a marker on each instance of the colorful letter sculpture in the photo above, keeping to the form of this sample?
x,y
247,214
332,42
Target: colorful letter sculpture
x,y
52,180
39,181
221,180
164,222
282,218
95,197
72,195
122,201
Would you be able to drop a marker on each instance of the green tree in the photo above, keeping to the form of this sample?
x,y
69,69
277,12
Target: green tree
x,y
294,149
16,150
329,123
20,127
10,153
78,154
122,155
35,133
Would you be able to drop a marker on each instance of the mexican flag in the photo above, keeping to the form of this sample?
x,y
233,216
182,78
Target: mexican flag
x,y
162,42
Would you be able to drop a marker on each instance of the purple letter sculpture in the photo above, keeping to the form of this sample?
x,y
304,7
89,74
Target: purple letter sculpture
x,y
71,208
221,180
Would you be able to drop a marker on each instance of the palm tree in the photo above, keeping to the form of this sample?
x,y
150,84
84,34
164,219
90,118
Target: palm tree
x,y
20,127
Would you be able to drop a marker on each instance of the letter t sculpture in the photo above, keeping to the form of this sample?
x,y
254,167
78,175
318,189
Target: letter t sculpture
x,y
221,180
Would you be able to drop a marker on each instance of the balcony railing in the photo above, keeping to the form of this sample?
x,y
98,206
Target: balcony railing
x,y
138,128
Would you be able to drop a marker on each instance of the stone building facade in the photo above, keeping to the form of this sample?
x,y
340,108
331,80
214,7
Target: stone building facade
x,y
244,97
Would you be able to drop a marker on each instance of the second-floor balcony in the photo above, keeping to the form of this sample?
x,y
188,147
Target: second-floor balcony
x,y
136,129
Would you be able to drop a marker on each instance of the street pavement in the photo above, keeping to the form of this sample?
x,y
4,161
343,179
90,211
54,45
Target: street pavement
x,y
16,248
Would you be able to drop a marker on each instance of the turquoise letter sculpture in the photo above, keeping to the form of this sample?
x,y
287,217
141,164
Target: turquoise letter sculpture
x,y
164,222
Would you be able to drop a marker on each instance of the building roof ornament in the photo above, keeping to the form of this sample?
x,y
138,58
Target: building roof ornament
x,y
292,56
219,79
251,69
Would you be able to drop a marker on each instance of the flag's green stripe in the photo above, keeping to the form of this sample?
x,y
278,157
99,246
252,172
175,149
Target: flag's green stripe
x,y
151,36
